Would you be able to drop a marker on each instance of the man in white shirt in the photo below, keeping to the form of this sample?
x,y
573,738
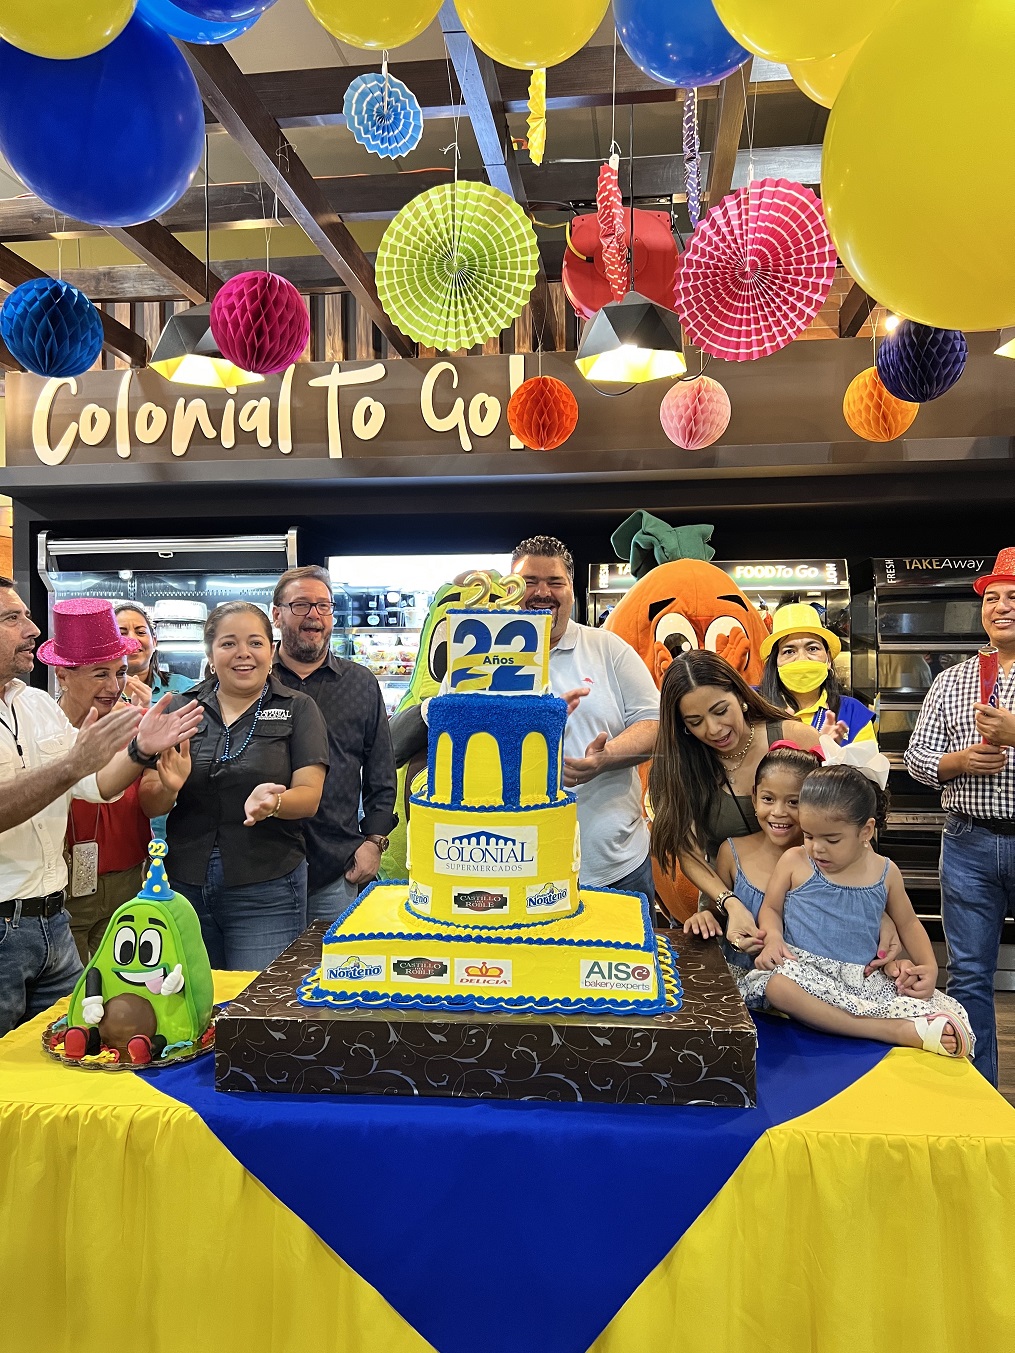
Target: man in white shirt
x,y
612,726
44,762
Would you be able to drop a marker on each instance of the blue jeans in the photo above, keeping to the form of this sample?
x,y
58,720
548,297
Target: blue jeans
x,y
637,881
247,927
977,892
328,903
38,964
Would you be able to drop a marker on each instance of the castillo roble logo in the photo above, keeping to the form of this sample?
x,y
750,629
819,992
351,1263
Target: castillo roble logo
x,y
419,968
480,900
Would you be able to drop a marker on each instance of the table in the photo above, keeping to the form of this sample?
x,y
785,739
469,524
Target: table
x,y
866,1202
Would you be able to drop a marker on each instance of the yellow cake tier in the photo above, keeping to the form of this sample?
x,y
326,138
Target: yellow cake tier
x,y
503,869
605,958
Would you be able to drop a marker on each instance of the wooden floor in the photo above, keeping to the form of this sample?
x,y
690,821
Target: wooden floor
x,y
1005,1002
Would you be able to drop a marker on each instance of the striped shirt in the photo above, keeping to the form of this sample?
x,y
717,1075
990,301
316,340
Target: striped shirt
x,y
946,724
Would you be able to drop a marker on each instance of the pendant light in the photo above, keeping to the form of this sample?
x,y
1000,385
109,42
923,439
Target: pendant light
x,y
630,342
1006,347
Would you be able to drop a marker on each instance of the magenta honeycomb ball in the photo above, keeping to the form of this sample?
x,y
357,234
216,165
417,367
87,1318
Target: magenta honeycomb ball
x,y
260,322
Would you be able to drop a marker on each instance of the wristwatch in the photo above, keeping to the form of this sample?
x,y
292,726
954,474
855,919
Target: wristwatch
x,y
381,842
138,757
721,900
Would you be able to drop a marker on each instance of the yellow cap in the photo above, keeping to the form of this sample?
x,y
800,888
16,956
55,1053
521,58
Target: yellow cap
x,y
799,618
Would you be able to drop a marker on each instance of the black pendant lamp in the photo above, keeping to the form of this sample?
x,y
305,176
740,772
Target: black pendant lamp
x,y
188,354
631,341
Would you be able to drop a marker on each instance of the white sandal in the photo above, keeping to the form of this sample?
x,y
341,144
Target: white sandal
x,y
932,1027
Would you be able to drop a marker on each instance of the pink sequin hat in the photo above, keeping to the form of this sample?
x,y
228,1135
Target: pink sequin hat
x,y
1003,571
85,632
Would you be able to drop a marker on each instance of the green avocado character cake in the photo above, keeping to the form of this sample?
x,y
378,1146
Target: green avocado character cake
x,y
148,988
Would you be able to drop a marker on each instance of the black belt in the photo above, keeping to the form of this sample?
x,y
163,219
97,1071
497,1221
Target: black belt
x,y
34,906
1000,826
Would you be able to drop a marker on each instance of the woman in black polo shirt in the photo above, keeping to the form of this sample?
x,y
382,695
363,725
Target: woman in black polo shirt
x,y
236,793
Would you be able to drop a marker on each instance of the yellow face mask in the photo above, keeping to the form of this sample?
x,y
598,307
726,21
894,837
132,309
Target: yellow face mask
x,y
803,675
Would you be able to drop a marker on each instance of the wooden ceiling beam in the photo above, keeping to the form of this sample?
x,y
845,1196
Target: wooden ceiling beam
x,y
854,311
227,92
117,338
729,126
159,248
477,79
7,361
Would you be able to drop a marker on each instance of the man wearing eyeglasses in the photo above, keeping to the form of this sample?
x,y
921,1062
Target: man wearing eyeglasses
x,y
344,849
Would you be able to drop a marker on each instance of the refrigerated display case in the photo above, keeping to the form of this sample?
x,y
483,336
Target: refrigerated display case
x,y
381,603
177,579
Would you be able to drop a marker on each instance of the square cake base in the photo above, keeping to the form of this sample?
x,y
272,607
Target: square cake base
x,y
704,1053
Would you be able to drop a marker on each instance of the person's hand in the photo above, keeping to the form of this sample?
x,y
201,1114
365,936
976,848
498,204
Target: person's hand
x,y
100,739
137,692
743,931
703,924
574,698
775,952
889,946
833,728
173,767
735,647
579,770
916,979
262,803
159,729
365,863
981,759
996,725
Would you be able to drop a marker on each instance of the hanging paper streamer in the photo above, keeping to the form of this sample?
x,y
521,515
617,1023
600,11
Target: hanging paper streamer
x,y
383,114
537,116
692,156
612,231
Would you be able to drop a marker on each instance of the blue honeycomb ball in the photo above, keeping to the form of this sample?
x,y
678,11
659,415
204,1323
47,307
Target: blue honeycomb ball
x,y
918,363
51,328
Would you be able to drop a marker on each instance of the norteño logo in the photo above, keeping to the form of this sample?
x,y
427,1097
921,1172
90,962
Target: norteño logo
x,y
355,968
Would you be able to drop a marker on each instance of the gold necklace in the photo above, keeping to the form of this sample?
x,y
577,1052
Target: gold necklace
x,y
737,759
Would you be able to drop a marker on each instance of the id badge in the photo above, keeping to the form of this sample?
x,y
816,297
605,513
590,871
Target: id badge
x,y
84,868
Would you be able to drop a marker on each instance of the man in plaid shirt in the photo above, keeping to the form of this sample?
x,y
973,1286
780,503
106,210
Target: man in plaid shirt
x,y
977,783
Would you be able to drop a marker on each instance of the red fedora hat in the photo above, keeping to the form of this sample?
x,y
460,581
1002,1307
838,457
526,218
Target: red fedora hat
x,y
85,632
1003,572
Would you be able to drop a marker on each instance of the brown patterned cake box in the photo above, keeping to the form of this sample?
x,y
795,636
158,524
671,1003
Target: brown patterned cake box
x,y
703,1053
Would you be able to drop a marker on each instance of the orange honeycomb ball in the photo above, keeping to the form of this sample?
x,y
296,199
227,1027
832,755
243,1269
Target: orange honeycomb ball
x,y
542,413
872,412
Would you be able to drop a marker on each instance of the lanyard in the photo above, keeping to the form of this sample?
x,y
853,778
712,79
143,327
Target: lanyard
x,y
14,732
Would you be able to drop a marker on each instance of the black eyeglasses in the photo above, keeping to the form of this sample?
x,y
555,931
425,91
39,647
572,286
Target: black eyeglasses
x,y
303,608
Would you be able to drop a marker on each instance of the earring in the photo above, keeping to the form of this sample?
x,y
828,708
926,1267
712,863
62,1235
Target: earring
x,y
211,670
686,731
743,706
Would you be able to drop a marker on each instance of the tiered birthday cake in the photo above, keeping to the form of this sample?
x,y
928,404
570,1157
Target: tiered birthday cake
x,y
492,916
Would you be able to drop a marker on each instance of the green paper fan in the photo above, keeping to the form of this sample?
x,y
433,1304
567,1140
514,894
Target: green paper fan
x,y
456,265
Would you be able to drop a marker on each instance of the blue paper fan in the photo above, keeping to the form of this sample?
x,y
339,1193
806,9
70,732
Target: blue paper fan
x,y
383,114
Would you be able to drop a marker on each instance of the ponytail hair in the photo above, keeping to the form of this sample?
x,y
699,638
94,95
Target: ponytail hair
x,y
845,792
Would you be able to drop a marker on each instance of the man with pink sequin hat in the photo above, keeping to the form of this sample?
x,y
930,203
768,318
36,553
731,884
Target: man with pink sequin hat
x,y
44,762
962,744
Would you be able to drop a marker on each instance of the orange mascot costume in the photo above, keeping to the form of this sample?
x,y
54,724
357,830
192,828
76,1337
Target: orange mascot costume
x,y
681,602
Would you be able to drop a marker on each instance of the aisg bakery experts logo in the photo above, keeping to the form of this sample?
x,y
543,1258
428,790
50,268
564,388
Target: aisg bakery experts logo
x,y
598,974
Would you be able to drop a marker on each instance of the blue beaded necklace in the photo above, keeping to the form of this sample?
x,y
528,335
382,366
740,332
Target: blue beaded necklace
x,y
227,755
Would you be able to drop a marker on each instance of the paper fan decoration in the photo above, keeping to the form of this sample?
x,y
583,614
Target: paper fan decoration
x,y
456,265
383,114
612,228
694,414
920,363
542,413
756,271
536,123
874,414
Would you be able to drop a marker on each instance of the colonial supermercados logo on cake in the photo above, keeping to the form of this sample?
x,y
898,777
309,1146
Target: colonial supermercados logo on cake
x,y
479,972
470,901
355,968
604,975
486,853
431,971
548,897
419,897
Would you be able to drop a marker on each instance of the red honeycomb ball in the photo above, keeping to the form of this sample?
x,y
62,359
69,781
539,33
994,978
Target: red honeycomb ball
x,y
873,412
542,413
260,322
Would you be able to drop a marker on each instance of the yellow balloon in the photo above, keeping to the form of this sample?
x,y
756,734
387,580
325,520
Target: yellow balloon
x,y
528,34
900,158
63,29
822,80
383,23
801,30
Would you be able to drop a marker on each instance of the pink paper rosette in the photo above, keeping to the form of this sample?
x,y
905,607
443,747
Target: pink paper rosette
x,y
756,271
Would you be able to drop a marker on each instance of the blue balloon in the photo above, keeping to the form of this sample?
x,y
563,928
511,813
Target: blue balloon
x,y
679,42
113,138
180,23
51,327
225,11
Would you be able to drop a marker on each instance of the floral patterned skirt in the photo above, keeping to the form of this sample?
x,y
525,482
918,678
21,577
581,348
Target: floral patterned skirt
x,y
844,985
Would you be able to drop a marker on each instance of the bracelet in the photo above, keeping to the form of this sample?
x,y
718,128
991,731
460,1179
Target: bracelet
x,y
136,755
278,804
722,899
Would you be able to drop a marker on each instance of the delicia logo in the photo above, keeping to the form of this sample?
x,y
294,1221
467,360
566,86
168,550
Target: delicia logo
x,y
480,972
